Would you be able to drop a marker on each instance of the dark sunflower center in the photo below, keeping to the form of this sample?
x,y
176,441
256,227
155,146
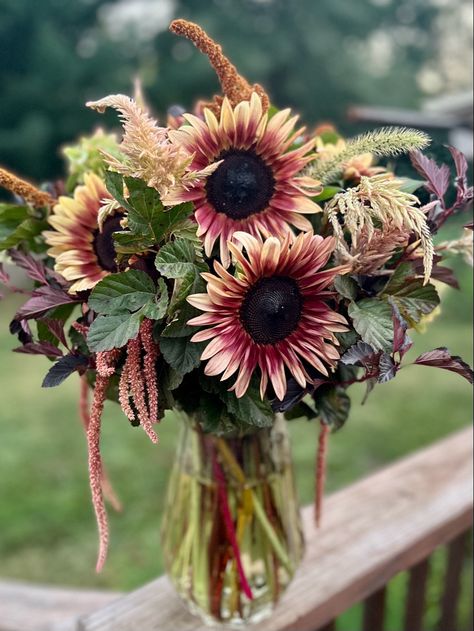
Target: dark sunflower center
x,y
242,185
271,309
103,243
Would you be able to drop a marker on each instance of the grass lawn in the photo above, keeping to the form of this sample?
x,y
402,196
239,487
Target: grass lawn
x,y
48,530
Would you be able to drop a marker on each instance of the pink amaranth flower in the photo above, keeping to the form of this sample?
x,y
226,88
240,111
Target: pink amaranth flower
x,y
256,186
273,315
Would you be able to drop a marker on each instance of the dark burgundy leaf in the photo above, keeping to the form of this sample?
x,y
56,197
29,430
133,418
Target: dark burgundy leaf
x,y
42,300
63,368
22,330
401,342
56,327
442,358
387,368
40,348
464,193
470,225
362,354
437,177
439,272
35,269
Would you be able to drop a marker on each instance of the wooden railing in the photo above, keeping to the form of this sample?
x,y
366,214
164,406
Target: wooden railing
x,y
387,523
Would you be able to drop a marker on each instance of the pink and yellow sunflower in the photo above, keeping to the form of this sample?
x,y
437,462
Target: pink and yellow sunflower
x,y
273,314
256,187
83,252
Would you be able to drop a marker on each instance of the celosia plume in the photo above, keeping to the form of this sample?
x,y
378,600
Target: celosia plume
x,y
147,153
379,199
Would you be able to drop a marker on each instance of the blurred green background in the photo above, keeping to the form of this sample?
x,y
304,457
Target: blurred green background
x,y
318,57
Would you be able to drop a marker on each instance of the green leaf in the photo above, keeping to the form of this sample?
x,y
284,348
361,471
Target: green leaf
x,y
328,192
180,353
410,186
147,216
17,226
156,307
125,291
372,319
125,242
333,404
176,259
416,300
399,278
112,331
410,295
114,184
250,408
346,286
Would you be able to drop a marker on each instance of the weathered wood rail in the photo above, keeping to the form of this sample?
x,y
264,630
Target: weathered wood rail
x,y
386,523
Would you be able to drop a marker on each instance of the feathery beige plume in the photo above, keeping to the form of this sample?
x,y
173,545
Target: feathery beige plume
x,y
379,199
147,152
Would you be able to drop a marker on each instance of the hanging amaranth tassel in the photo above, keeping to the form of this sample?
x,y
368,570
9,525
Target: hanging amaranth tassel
x,y
105,368
138,388
321,471
107,488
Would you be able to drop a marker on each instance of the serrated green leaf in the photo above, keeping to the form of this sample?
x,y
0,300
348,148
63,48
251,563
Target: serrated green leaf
x,y
156,307
114,184
416,300
346,286
147,216
372,319
125,242
180,353
112,331
410,295
176,259
125,291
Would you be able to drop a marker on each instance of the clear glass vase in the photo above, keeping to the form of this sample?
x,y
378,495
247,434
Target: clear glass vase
x,y
231,535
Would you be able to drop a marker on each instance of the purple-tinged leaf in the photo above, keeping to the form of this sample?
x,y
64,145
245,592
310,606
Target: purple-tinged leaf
x,y
439,272
401,342
437,177
64,367
361,354
4,277
39,348
464,192
56,327
442,358
34,268
22,330
387,368
42,300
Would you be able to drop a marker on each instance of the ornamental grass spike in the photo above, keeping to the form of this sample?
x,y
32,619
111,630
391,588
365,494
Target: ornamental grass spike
x,y
234,86
31,194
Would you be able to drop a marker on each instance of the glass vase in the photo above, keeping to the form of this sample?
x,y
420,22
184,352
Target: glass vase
x,y
231,535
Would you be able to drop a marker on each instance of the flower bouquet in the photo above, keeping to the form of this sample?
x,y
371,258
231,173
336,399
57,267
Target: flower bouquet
x,y
239,270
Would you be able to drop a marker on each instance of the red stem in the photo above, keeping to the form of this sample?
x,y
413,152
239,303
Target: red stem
x,y
229,525
321,471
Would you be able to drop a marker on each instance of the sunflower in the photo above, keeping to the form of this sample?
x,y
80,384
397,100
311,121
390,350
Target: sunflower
x,y
273,314
255,188
83,252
